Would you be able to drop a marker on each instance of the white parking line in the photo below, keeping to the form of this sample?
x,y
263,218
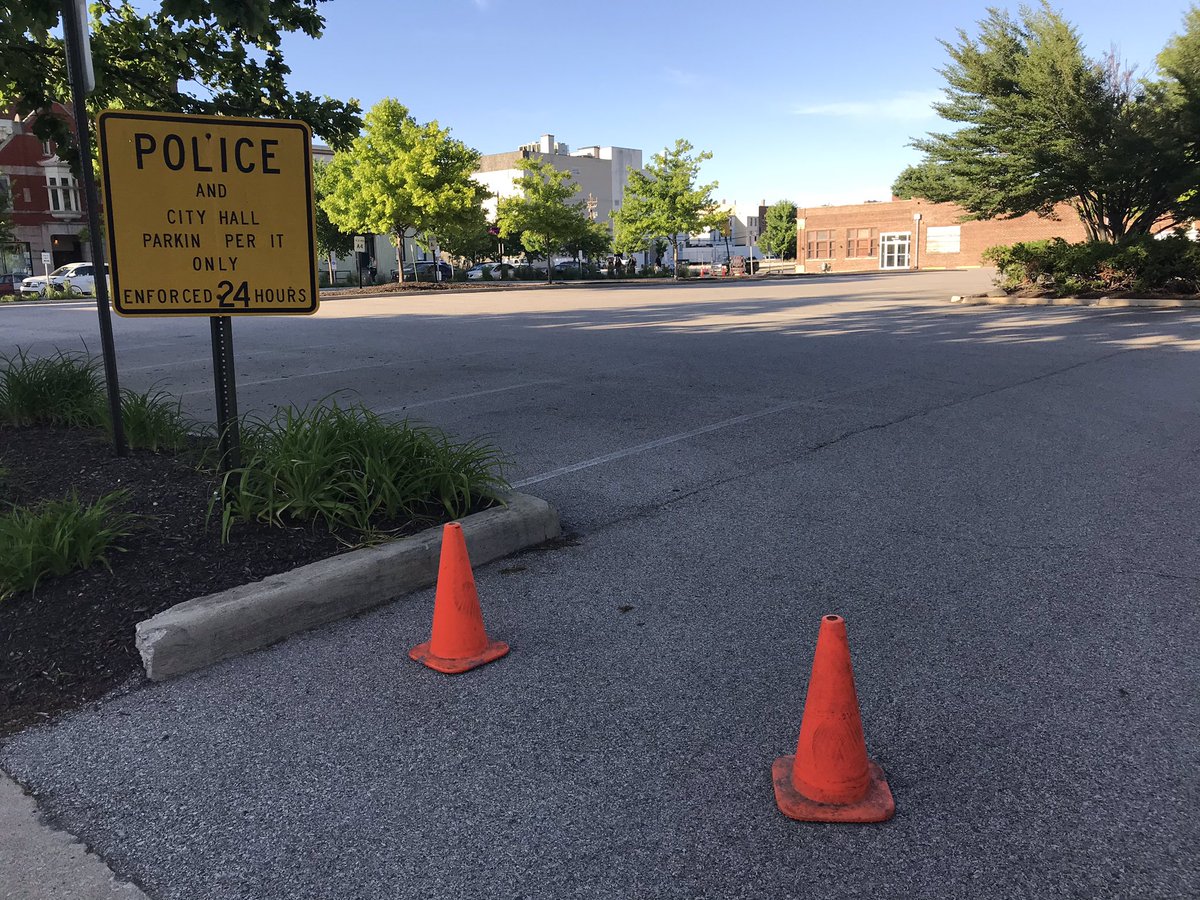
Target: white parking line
x,y
652,445
165,364
246,384
499,390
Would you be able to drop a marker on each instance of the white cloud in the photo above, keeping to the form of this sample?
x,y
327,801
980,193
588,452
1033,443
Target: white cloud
x,y
908,105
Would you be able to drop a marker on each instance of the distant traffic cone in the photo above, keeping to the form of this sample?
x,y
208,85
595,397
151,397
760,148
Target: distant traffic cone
x,y
459,642
830,779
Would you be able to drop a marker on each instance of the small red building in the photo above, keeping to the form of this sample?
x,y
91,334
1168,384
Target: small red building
x,y
47,202
913,234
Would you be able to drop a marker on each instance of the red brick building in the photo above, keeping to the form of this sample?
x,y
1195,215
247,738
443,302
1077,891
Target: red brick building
x,y
47,202
913,234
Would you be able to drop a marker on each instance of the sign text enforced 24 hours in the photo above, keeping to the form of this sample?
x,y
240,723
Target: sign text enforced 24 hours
x,y
208,215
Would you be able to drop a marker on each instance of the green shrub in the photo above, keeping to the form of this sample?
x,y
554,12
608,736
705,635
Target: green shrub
x,y
60,293
64,389
353,472
1138,264
154,422
57,537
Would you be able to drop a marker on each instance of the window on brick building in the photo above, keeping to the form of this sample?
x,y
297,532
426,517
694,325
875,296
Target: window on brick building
x,y
820,244
860,243
64,191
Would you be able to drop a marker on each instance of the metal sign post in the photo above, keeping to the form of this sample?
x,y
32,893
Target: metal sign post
x,y
80,65
225,381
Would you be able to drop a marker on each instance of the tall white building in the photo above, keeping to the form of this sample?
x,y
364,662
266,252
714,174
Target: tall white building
x,y
600,173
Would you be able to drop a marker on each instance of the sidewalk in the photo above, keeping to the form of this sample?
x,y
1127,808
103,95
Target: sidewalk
x,y
38,862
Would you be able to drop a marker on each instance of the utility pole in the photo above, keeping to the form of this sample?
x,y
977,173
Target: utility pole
x,y
79,65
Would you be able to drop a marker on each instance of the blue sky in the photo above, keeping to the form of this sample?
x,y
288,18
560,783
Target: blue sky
x,y
810,101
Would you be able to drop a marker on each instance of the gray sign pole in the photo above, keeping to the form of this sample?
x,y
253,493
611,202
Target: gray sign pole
x,y
78,65
224,378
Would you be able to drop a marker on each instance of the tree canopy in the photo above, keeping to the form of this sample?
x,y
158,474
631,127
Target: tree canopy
x,y
779,235
593,240
187,56
469,236
402,176
1043,124
543,216
665,201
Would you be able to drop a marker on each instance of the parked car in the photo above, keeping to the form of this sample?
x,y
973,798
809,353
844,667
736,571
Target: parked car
x,y
496,270
10,283
77,279
570,269
526,272
425,271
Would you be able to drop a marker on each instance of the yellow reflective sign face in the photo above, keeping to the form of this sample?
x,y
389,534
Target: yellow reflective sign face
x,y
208,215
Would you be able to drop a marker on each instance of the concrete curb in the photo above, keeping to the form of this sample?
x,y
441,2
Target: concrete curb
x,y
1098,302
202,631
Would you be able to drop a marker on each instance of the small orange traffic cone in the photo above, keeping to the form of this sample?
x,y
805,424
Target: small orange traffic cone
x,y
459,642
830,779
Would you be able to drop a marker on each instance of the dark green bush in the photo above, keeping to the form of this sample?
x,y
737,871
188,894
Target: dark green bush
x,y
353,471
1142,264
57,537
155,421
63,389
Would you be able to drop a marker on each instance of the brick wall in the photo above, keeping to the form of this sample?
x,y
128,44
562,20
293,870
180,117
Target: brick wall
x,y
827,227
37,226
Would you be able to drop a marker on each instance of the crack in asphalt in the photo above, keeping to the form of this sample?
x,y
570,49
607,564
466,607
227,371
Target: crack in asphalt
x,y
662,505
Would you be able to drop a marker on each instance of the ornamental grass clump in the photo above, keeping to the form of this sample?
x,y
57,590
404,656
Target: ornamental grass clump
x,y
57,537
63,389
354,472
155,422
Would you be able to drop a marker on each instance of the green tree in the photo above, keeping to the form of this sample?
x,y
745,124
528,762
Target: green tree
x,y
779,236
721,221
593,240
468,237
331,240
187,56
402,176
542,216
1043,124
665,201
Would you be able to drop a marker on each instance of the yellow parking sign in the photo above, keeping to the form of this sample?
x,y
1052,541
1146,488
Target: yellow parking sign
x,y
208,215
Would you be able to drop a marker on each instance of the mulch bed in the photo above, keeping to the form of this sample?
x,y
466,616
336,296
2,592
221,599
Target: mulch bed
x,y
1046,294
391,287
71,640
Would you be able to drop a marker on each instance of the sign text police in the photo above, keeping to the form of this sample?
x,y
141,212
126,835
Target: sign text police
x,y
208,215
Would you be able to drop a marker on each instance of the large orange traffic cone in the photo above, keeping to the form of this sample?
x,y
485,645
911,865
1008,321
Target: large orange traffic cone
x,y
459,642
830,779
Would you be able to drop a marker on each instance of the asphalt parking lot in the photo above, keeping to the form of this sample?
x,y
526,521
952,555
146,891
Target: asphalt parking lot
x,y
1000,501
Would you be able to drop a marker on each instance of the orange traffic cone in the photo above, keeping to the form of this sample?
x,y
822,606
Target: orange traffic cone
x,y
830,779
459,642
